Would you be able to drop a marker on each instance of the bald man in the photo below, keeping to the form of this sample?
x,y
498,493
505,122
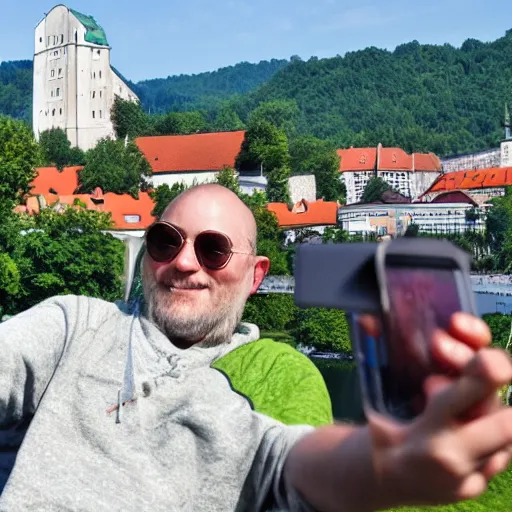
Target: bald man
x,y
127,412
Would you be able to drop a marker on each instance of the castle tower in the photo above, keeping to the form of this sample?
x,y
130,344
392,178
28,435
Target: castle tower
x,y
74,85
507,124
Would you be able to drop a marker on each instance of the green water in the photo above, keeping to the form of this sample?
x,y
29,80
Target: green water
x,y
342,382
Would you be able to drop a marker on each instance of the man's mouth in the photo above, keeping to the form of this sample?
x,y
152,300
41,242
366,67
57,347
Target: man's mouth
x,y
184,287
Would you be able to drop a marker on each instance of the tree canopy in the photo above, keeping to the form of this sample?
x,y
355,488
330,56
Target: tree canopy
x,y
115,167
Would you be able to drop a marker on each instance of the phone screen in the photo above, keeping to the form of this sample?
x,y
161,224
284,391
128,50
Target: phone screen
x,y
421,300
395,352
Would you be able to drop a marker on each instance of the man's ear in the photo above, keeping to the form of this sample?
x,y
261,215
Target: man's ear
x,y
261,269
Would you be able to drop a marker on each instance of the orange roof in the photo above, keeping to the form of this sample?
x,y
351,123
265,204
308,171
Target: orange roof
x,y
467,180
304,213
120,205
64,182
198,152
392,159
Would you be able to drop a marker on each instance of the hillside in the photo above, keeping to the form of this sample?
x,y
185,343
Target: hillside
x,y
420,97
16,89
183,92
187,92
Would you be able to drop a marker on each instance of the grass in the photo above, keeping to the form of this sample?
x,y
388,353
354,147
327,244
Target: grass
x,y
498,497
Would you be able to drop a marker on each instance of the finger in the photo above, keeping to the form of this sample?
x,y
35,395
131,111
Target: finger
x,y
451,353
483,376
472,486
497,463
470,329
487,435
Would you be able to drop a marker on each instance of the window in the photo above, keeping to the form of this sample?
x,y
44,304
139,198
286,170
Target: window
x,y
132,219
61,38
52,73
100,74
94,75
60,71
93,114
51,93
93,94
40,39
58,92
60,111
53,112
101,114
101,94
48,40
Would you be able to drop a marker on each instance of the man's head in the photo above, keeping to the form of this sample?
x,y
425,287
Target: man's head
x,y
189,302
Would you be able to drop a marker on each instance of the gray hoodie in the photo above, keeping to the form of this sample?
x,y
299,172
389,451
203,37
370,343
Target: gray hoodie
x,y
120,419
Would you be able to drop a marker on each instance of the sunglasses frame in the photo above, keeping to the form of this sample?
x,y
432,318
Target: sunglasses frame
x,y
183,238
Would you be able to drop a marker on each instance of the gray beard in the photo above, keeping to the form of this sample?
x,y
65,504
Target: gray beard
x,y
210,330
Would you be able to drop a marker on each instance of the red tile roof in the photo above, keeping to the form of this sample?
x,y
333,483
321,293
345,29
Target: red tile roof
x,y
467,180
392,159
64,182
121,205
304,213
198,152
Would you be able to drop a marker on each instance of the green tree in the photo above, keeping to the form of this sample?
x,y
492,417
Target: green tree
x,y
374,189
282,114
129,119
310,155
19,155
61,253
163,195
226,120
181,123
228,178
501,326
56,149
115,167
324,329
266,146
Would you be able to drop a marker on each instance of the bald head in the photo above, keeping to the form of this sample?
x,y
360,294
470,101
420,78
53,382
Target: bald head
x,y
224,210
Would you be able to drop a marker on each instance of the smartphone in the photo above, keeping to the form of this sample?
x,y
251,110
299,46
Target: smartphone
x,y
418,294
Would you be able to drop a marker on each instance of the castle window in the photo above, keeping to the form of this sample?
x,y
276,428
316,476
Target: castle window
x,y
60,71
100,74
40,39
101,94
51,93
53,112
94,75
60,111
48,40
101,114
58,92
93,94
52,73
61,38
93,114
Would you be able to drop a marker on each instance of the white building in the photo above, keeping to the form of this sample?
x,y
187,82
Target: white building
x,y
74,85
393,219
410,175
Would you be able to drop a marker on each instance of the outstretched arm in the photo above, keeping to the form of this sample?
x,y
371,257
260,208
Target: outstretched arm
x,y
463,438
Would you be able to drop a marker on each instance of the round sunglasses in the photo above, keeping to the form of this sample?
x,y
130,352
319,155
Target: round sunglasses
x,y
164,241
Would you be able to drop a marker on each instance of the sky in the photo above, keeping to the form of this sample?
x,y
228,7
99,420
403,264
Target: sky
x,y
158,38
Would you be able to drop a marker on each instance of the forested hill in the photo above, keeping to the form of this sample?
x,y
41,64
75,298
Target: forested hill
x,y
16,89
420,97
183,92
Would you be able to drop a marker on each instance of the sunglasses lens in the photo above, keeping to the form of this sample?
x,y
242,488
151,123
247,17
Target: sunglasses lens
x,y
163,242
213,249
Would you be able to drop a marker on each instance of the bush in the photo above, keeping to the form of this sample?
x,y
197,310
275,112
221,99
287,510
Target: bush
x,y
500,328
270,312
324,329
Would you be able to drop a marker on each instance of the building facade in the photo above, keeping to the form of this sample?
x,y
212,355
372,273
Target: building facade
x,y
74,85
410,175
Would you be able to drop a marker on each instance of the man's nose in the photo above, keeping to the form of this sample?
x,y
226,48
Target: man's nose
x,y
187,261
